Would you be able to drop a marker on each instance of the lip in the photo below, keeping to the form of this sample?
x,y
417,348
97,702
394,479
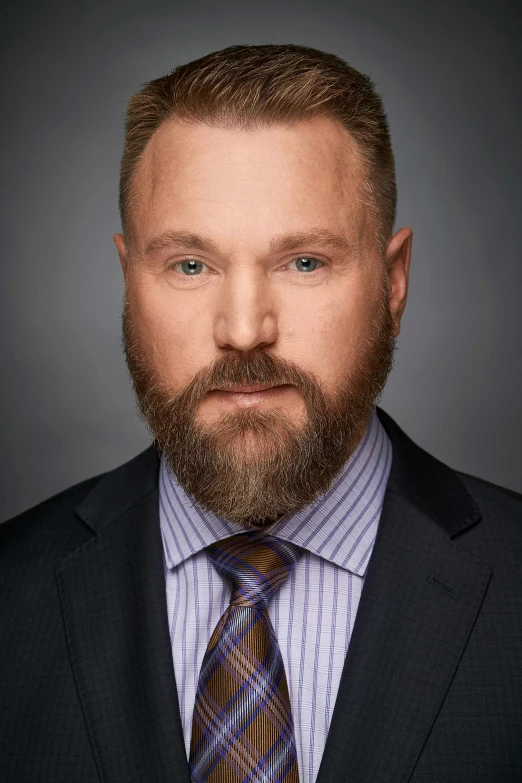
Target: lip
x,y
252,389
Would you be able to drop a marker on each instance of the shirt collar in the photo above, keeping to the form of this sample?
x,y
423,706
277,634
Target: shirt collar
x,y
340,526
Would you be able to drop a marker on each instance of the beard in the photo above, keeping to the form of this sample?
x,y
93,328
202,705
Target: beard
x,y
254,466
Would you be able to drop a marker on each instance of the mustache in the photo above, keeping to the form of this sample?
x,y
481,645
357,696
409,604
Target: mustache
x,y
233,368
242,369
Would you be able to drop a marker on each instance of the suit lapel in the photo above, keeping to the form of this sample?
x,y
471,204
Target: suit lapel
x,y
112,592
421,596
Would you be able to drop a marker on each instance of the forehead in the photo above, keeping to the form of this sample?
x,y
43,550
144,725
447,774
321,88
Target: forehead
x,y
275,178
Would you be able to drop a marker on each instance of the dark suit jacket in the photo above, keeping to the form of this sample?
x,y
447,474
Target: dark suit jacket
x,y
432,685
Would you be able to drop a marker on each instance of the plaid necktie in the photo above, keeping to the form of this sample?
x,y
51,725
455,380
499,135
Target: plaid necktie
x,y
242,729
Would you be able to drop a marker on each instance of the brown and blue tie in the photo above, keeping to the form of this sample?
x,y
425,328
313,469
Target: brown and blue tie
x,y
242,729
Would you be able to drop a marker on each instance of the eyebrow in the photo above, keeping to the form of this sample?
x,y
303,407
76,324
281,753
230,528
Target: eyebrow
x,y
181,239
282,244
319,236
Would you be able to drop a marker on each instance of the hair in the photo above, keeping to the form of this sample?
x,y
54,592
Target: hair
x,y
254,86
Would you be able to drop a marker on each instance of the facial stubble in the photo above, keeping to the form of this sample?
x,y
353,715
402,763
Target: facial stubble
x,y
254,466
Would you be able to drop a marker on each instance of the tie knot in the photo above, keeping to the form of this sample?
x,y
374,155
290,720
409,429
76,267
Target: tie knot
x,y
255,564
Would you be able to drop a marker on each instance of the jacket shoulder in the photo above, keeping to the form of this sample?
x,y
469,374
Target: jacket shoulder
x,y
492,499
61,501
497,538
51,526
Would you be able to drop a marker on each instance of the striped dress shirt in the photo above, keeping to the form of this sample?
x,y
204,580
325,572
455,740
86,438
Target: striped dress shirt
x,y
313,613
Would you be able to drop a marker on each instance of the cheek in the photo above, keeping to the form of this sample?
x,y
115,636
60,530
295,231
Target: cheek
x,y
172,332
330,337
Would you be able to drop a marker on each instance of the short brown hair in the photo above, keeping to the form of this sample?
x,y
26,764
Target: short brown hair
x,y
246,86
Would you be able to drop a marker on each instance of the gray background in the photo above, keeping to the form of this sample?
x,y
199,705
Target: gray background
x,y
450,76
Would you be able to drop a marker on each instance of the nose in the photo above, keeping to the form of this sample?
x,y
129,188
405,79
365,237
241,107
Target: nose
x,y
245,317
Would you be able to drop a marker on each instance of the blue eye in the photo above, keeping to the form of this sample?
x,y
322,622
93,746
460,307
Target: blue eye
x,y
190,267
306,264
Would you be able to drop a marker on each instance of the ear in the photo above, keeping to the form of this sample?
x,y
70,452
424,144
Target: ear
x,y
122,251
397,262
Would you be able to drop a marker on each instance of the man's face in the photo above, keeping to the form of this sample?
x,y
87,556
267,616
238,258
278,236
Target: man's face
x,y
250,246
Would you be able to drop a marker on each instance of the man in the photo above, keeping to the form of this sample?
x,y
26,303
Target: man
x,y
284,586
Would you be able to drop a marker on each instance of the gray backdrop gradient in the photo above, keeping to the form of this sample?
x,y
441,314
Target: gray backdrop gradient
x,y
450,76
